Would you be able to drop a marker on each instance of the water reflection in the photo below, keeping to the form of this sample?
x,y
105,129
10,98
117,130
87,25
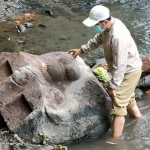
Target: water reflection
x,y
135,135
135,15
99,145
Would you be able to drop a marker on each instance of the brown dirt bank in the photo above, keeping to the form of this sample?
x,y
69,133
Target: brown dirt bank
x,y
56,27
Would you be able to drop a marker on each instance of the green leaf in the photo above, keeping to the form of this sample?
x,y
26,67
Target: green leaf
x,y
101,74
44,142
46,139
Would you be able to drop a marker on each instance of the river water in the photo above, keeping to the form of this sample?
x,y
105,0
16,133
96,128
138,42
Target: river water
x,y
58,27
137,142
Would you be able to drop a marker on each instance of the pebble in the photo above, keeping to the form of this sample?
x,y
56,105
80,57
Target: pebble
x,y
21,28
28,24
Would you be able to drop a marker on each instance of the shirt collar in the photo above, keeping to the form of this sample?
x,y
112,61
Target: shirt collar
x,y
110,25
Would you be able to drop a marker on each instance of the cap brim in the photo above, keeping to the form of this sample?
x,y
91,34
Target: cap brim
x,y
88,22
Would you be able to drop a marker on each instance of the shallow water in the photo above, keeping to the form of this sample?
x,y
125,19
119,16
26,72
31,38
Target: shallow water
x,y
64,30
126,142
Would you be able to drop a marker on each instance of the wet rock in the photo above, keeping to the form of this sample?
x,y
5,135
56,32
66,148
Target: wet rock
x,y
28,24
54,95
138,93
21,28
50,13
144,82
145,63
41,26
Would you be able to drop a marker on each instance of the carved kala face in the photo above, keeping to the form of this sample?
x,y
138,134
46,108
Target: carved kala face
x,y
23,75
63,99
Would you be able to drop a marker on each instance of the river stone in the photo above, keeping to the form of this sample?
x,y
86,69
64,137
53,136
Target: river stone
x,y
145,63
138,93
144,82
51,97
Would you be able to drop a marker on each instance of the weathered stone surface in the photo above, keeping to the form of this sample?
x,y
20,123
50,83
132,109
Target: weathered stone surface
x,y
51,94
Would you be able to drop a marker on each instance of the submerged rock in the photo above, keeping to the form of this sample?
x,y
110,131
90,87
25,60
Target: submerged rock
x,y
52,95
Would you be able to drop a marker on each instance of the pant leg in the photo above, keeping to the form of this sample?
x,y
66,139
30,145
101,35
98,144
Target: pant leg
x,y
124,94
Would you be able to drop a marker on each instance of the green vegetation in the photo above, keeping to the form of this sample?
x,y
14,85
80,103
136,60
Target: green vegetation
x,y
101,74
45,139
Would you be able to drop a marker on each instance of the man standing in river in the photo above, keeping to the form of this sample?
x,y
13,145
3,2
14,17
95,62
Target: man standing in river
x,y
124,63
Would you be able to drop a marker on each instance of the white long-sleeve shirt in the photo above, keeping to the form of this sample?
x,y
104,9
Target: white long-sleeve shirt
x,y
120,51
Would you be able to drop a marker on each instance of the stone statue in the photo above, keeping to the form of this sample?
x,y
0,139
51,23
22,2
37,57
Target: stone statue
x,y
54,95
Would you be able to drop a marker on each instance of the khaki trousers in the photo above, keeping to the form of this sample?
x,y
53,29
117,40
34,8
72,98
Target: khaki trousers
x,y
125,94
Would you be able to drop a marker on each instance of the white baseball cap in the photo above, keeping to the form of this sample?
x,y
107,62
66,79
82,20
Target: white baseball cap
x,y
97,13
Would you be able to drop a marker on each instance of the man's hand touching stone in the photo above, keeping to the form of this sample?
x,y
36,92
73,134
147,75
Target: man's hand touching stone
x,y
74,52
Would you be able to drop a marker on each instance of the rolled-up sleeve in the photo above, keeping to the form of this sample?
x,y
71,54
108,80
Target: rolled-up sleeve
x,y
120,56
92,43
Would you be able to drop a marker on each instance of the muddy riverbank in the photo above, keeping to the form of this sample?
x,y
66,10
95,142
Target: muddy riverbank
x,y
55,27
